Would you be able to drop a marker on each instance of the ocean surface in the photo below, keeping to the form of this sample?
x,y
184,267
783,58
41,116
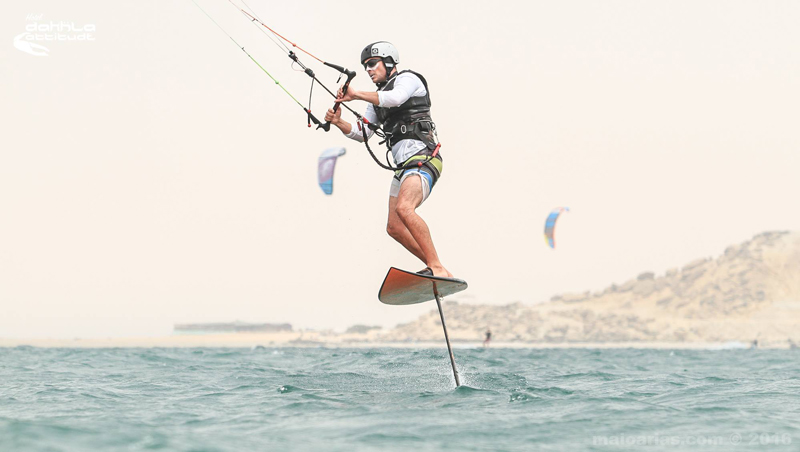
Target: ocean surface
x,y
320,399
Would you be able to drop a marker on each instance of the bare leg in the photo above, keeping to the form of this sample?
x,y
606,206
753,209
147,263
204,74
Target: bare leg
x,y
398,231
409,198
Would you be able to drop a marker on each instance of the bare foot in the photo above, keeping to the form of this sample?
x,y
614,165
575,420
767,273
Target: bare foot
x,y
441,272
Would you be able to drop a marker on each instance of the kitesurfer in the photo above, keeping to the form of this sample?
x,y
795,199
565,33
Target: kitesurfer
x,y
401,105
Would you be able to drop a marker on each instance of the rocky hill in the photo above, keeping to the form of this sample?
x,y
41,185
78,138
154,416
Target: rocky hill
x,y
751,292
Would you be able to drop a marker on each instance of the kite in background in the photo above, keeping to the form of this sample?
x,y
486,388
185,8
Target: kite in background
x,y
550,226
327,163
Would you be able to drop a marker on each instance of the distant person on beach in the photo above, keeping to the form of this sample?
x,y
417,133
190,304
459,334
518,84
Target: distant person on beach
x,y
488,338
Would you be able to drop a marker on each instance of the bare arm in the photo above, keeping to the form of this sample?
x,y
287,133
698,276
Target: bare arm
x,y
354,132
367,96
335,117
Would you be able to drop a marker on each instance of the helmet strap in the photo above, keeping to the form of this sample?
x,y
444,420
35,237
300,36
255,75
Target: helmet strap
x,y
390,69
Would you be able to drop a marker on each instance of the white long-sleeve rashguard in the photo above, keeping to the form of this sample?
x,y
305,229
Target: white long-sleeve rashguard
x,y
406,85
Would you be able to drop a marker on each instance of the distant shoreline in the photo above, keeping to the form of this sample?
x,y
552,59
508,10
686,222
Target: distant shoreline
x,y
310,340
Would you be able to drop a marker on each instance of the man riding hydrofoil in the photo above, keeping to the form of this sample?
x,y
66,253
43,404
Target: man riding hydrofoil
x,y
401,105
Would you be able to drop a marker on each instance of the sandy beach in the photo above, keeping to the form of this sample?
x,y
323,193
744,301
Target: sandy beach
x,y
748,295
316,339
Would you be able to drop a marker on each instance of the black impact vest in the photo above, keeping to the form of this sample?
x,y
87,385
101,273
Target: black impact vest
x,y
411,119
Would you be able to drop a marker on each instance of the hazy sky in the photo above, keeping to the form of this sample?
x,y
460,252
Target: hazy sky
x,y
154,175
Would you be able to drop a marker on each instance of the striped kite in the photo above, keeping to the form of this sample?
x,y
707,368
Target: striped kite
x,y
327,163
550,226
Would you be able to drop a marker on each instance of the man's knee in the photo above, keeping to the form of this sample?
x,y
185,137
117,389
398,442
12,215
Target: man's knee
x,y
394,228
404,209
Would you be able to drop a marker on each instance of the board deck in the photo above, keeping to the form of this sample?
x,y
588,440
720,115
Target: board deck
x,y
401,287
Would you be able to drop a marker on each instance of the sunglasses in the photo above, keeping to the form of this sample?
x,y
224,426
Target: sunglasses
x,y
370,64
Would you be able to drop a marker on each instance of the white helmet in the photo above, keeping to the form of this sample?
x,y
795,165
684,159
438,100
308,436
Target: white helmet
x,y
385,50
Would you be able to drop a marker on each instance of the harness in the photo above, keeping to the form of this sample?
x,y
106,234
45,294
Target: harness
x,y
411,121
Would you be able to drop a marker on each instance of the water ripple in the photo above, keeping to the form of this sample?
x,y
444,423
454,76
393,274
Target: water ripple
x,y
386,399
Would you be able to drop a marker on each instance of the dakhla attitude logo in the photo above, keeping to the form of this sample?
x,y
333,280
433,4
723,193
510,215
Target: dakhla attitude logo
x,y
40,33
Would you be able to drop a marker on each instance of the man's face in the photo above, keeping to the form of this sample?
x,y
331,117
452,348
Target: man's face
x,y
375,69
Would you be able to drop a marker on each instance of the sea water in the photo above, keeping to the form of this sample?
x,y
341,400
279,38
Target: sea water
x,y
323,399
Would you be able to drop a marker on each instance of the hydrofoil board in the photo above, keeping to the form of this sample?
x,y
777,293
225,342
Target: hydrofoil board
x,y
401,287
